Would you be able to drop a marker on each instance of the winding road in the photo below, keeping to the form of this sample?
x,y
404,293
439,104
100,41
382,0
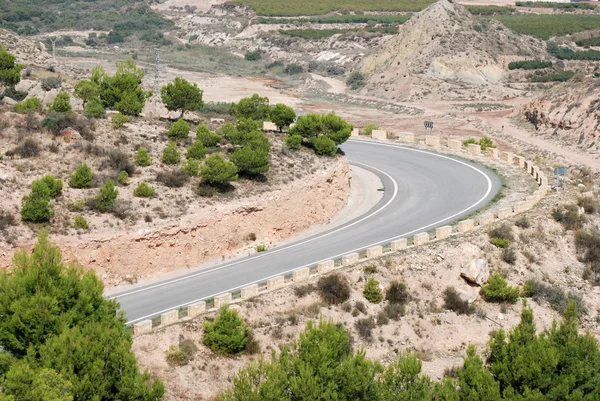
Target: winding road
x,y
423,190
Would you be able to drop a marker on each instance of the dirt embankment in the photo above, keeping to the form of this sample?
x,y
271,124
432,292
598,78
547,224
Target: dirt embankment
x,y
218,231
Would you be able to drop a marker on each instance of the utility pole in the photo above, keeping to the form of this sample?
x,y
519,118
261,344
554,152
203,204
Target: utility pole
x,y
156,70
53,41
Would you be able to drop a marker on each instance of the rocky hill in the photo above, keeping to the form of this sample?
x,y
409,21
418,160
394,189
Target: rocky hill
x,y
446,52
569,113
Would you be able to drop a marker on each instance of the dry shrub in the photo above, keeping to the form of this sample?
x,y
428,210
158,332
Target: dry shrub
x,y
172,178
118,161
29,148
454,302
395,311
397,293
333,289
568,216
365,327
589,204
304,290
6,220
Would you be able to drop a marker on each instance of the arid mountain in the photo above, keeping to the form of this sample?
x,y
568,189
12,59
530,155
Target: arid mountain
x,y
569,113
445,50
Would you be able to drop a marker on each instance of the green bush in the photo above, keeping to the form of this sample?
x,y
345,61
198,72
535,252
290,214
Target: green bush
x,y
486,143
501,236
333,289
372,292
282,115
562,76
370,269
14,94
368,129
31,105
249,161
453,302
324,146
293,68
196,151
254,107
500,242
207,137
106,198
61,103
227,334
329,125
170,154
293,141
182,95
588,203
36,206
218,170
143,190
94,109
179,130
123,178
191,167
356,80
498,290
142,157
470,141
119,120
82,177
529,64
81,222
253,55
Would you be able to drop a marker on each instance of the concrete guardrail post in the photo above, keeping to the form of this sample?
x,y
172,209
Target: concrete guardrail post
x,y
350,259
529,166
169,317
222,299
270,126
355,132
374,251
474,149
300,275
421,239
325,266
505,212
196,309
432,140
249,291
275,283
143,327
466,225
485,219
521,161
507,157
379,134
398,244
493,153
406,137
443,232
454,144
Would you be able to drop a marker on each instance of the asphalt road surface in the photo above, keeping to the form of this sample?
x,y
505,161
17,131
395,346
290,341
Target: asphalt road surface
x,y
423,190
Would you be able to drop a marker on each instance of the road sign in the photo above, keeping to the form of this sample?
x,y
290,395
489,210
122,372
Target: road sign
x,y
558,171
429,124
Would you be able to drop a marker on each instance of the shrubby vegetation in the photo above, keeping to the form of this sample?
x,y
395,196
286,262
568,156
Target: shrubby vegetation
x,y
518,365
31,105
227,334
82,177
143,190
490,10
323,131
529,64
61,103
181,95
372,292
497,290
594,41
142,157
61,339
333,289
10,71
179,130
217,170
356,80
36,206
170,154
562,76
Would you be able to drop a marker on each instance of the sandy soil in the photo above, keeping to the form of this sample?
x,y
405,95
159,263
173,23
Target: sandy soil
x,y
201,5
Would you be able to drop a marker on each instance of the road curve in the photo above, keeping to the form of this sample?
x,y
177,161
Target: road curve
x,y
423,190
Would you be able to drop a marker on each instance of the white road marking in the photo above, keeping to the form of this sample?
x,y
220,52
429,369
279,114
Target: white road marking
x,y
489,189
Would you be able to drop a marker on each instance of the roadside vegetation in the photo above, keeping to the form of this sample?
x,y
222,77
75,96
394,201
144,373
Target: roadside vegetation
x,y
323,357
55,332
317,34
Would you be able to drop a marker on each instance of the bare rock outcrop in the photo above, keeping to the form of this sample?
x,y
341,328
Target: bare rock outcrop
x,y
444,48
568,113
